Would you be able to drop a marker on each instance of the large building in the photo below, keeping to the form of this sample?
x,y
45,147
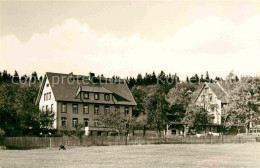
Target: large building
x,y
78,99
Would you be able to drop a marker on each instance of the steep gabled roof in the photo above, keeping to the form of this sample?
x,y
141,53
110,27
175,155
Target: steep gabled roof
x,y
66,86
218,90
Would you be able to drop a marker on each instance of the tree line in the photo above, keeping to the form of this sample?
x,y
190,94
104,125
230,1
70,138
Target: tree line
x,y
157,103
6,77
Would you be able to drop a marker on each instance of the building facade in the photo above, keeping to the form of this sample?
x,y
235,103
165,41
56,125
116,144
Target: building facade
x,y
213,97
76,99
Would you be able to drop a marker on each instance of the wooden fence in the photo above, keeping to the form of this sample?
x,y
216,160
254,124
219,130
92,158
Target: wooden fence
x,y
43,142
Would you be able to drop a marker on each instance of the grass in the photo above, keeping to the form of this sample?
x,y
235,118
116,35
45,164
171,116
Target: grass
x,y
136,156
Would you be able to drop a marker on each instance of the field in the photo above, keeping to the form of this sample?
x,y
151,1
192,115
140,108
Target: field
x,y
136,156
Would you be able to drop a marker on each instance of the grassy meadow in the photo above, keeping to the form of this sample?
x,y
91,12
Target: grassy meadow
x,y
136,156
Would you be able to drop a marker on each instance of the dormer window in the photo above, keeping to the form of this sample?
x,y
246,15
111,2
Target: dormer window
x,y
86,96
107,97
96,96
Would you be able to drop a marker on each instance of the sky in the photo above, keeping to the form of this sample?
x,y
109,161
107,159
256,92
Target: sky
x,y
125,38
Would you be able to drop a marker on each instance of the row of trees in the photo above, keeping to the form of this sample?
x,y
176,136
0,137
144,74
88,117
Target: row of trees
x,y
163,78
151,79
6,77
148,79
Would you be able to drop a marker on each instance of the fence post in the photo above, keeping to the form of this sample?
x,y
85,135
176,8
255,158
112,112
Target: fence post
x,y
50,142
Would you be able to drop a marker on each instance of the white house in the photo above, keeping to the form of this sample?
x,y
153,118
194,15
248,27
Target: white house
x,y
76,99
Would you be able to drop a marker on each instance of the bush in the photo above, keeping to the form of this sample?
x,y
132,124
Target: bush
x,y
2,133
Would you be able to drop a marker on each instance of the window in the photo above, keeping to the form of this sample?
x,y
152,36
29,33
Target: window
x,y
74,108
117,109
96,109
203,97
173,132
64,108
86,109
107,97
86,122
47,108
86,96
96,124
47,85
210,97
107,109
42,108
96,96
63,121
50,96
126,110
75,122
52,108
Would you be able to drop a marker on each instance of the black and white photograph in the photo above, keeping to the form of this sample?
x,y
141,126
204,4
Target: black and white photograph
x,y
129,83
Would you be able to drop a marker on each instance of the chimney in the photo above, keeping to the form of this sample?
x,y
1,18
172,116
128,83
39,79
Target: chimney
x,y
91,75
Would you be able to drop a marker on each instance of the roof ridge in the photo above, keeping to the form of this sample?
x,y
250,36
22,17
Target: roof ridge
x,y
222,88
65,74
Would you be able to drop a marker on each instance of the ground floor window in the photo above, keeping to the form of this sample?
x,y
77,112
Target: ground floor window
x,y
52,108
96,124
174,132
86,122
75,122
63,121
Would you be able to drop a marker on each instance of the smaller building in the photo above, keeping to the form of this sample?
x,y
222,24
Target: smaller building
x,y
213,97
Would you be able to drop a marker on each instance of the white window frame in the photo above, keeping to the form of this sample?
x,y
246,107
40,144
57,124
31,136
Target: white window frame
x,y
85,105
77,108
96,107
96,94
63,119
75,122
64,105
